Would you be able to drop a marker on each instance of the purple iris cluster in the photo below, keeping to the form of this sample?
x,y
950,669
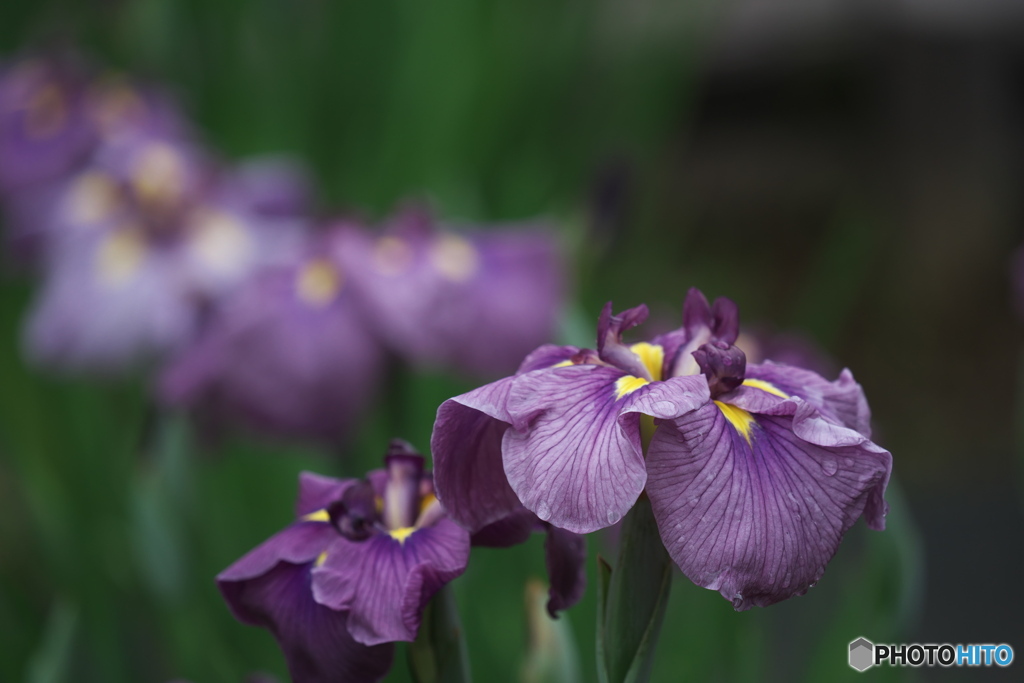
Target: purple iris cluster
x,y
754,472
153,253
252,313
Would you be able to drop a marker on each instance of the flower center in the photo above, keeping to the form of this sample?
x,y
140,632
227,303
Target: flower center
x,y
318,282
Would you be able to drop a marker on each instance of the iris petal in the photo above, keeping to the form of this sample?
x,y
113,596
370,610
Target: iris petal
x,y
842,400
314,638
385,583
466,445
573,457
759,521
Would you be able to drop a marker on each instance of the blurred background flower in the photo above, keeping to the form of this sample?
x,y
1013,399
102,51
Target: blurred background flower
x,y
844,171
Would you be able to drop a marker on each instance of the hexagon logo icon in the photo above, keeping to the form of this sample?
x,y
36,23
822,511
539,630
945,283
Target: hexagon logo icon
x,y
862,654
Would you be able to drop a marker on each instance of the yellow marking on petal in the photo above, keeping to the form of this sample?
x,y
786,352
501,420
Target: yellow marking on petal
x,y
563,364
427,501
158,174
401,534
454,257
627,385
47,112
765,386
318,516
94,197
320,559
740,419
652,356
392,256
378,504
318,282
220,241
120,256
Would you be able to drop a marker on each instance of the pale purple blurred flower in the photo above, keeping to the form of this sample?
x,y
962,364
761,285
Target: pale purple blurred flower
x,y
286,354
139,243
473,300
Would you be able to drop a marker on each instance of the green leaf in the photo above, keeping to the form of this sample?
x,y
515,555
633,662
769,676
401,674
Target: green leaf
x,y
604,578
51,662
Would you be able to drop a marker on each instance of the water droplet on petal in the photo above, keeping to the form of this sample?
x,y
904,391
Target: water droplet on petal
x,y
665,408
787,580
613,516
694,500
848,462
829,466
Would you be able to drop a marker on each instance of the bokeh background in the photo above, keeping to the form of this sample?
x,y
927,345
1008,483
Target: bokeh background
x,y
846,171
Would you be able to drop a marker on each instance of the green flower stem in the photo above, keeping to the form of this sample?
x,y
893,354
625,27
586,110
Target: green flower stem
x,y
438,655
633,599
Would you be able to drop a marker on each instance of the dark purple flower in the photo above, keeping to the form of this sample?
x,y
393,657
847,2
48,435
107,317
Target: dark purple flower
x,y
353,573
476,300
754,472
286,353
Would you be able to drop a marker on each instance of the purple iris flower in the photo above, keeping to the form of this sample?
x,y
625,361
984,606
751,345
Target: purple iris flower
x,y
138,243
754,472
475,300
286,353
45,129
353,573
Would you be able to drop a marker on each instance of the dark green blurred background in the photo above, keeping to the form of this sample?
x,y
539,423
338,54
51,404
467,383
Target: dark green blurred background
x,y
838,168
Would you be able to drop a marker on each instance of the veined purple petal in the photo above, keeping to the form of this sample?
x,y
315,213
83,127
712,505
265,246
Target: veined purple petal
x,y
317,492
466,445
566,555
758,520
315,639
842,400
574,457
297,544
385,582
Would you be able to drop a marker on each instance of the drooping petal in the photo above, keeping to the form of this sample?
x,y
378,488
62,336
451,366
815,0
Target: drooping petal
x,y
574,457
842,400
296,544
565,556
385,582
466,445
315,639
755,506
